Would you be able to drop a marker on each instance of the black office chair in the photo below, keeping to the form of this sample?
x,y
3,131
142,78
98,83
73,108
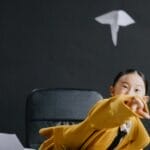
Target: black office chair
x,y
146,123
49,107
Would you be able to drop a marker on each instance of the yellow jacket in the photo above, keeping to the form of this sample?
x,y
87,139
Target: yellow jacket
x,y
99,129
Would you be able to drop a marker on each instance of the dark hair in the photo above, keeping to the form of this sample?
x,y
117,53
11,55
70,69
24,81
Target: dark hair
x,y
128,71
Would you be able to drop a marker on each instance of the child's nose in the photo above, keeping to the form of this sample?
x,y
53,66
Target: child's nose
x,y
130,92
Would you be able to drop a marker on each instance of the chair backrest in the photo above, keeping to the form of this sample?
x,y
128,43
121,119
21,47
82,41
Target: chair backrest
x,y
50,107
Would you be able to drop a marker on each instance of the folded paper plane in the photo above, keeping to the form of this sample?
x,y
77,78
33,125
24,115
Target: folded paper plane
x,y
115,19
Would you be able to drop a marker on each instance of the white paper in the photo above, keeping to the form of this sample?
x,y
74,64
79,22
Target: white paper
x,y
115,19
10,142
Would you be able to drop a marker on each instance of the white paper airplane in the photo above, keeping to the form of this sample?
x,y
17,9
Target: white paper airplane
x,y
115,19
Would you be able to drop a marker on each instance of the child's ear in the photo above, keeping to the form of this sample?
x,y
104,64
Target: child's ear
x,y
111,89
146,98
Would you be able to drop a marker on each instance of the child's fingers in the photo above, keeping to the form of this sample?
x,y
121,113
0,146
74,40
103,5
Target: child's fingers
x,y
143,113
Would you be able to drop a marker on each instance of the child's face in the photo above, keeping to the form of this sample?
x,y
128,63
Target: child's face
x,y
129,84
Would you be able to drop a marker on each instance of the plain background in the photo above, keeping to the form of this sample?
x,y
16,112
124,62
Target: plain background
x,y
58,44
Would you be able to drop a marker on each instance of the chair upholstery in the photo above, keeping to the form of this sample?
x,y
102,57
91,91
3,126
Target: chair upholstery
x,y
146,123
49,107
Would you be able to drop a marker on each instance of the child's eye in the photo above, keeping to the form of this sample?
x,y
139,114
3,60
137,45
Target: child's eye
x,y
125,86
137,90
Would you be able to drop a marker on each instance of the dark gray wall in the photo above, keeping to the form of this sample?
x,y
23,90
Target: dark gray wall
x,y
57,43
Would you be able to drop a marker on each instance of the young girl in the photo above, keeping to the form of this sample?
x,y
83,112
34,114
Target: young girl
x,y
112,123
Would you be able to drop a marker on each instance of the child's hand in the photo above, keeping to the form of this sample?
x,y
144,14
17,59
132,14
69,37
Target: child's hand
x,y
137,105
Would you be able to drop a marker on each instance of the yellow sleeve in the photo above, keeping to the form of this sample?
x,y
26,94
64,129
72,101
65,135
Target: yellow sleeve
x,y
62,137
106,113
54,138
110,112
